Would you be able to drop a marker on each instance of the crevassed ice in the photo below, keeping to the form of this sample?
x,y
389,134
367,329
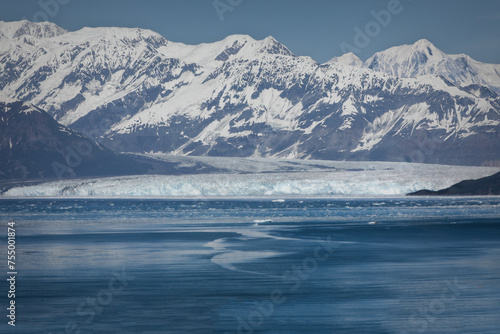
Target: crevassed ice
x,y
368,182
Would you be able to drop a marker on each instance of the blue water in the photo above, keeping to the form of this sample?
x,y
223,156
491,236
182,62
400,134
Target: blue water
x,y
255,266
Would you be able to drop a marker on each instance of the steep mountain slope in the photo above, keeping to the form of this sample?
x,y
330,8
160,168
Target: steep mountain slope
x,y
34,145
134,91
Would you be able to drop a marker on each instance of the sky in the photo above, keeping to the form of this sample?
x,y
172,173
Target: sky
x,y
321,29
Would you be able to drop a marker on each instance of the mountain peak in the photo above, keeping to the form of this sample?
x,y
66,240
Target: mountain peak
x,y
422,51
34,29
406,60
132,34
347,59
424,46
272,46
238,38
423,58
423,43
271,39
249,46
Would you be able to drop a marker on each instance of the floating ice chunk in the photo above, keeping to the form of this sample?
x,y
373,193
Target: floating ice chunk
x,y
258,221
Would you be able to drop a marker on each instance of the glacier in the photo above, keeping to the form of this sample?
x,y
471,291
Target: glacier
x,y
308,179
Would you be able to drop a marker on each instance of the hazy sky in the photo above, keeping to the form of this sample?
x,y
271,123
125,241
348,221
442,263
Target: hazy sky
x,y
314,28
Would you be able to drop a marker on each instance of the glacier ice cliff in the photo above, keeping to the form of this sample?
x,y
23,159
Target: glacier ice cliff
x,y
366,179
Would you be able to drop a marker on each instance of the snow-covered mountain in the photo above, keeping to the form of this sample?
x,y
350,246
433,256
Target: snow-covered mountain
x,y
135,91
423,58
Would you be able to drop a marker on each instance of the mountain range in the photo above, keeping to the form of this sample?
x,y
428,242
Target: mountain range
x,y
132,90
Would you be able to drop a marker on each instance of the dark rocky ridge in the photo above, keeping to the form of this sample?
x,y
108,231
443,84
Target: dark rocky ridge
x,y
34,146
489,185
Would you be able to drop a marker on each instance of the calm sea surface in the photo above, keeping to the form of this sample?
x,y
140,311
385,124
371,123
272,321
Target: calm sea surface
x,y
400,265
